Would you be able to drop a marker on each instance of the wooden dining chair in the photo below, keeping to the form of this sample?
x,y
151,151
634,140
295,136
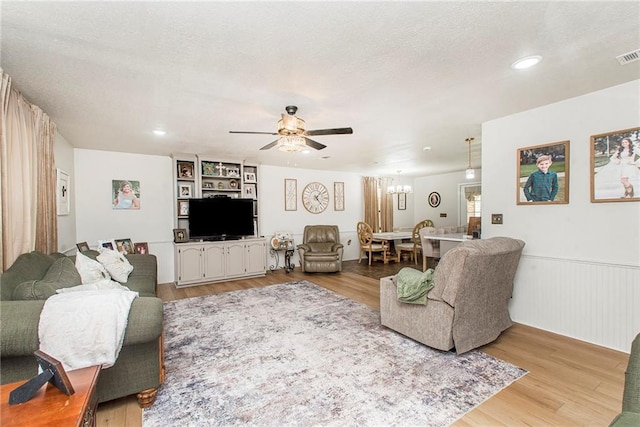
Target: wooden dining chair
x,y
369,244
414,246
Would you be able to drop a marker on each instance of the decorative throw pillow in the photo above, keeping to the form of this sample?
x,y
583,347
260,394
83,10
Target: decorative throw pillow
x,y
116,264
96,286
61,274
90,271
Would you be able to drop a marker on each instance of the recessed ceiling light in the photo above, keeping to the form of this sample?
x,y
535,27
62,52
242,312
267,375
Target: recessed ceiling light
x,y
159,132
426,148
526,62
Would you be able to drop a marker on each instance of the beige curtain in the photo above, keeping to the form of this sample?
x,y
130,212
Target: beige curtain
x,y
27,177
386,205
371,202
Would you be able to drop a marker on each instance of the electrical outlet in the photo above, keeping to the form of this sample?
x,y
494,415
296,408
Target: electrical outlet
x,y
496,218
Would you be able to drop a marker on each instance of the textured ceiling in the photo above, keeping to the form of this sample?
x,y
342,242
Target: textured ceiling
x,y
403,75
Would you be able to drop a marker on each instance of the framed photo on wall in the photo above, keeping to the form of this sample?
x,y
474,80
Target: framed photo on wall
x,y
434,199
615,166
543,174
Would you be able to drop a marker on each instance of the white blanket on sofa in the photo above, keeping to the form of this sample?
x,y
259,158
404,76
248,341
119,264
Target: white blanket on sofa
x,y
86,328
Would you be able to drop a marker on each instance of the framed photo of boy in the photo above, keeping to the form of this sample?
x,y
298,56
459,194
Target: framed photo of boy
x,y
615,166
543,174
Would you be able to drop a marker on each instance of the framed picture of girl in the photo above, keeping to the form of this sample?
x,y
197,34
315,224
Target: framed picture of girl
x,y
543,174
615,166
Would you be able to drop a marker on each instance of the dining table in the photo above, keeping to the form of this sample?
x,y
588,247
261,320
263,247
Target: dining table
x,y
395,237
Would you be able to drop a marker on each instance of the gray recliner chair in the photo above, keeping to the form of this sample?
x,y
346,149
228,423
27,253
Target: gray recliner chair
x,y
321,250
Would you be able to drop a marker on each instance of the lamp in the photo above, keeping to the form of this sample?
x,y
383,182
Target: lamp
x,y
399,189
291,143
469,173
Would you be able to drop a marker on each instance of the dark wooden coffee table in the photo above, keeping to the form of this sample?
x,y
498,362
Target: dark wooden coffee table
x,y
51,407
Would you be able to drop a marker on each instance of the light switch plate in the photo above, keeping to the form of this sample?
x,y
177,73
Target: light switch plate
x,y
496,218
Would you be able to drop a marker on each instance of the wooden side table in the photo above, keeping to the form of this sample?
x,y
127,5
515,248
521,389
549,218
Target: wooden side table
x,y
51,407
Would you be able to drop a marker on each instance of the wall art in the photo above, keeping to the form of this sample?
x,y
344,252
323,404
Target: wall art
x,y
63,193
126,194
290,194
543,174
615,166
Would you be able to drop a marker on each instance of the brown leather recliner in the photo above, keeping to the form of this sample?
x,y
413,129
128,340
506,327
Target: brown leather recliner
x,y
321,250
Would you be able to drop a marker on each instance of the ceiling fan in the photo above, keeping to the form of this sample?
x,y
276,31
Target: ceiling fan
x,y
293,136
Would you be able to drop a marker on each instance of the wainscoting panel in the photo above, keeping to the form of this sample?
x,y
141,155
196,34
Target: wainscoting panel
x,y
594,302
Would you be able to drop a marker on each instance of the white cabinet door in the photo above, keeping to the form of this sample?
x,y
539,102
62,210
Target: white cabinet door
x,y
214,265
189,263
256,257
235,258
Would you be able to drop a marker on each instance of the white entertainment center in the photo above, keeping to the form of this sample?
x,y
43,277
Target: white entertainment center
x,y
200,262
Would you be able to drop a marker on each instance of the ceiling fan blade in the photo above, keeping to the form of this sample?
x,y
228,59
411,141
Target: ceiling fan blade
x,y
314,144
337,131
255,133
270,145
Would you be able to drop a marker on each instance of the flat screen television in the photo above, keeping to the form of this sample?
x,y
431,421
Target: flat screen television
x,y
220,218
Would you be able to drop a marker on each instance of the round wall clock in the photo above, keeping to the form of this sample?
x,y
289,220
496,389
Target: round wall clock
x,y
315,197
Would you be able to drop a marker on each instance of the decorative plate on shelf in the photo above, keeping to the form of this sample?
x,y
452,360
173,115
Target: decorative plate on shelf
x,y
233,184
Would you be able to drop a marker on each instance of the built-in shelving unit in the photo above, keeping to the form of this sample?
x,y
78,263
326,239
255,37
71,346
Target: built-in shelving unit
x,y
198,176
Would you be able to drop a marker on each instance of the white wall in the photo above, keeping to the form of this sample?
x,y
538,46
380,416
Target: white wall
x,y
64,159
274,218
152,223
446,185
580,271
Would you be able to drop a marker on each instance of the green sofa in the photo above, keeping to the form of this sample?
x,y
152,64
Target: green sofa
x,y
630,415
138,369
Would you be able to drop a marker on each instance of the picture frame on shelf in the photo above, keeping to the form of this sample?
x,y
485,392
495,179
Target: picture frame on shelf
x,y
185,190
141,248
183,208
185,170
543,174
402,201
615,166
434,199
233,172
63,192
124,246
250,191
338,196
249,177
82,246
290,194
180,235
208,168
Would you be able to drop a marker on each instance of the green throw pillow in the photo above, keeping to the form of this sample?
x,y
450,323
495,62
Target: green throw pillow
x,y
61,274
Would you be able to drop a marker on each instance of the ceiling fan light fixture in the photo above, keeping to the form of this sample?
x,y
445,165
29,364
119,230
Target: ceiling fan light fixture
x,y
291,144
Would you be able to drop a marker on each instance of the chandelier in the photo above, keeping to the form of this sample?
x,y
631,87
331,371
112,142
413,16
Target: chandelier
x,y
399,189
291,143
469,173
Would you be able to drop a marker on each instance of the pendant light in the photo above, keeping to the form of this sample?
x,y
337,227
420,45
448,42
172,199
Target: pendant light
x,y
469,173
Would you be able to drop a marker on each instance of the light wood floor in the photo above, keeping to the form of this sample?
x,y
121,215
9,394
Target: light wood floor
x,y
570,382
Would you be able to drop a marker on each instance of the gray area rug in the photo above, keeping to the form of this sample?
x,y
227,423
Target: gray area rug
x,y
298,354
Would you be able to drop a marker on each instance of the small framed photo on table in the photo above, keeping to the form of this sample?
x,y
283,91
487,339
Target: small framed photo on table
x,y
142,248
